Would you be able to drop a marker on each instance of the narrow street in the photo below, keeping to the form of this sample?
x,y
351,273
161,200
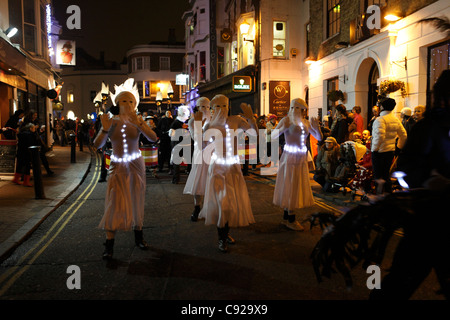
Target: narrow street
x,y
268,261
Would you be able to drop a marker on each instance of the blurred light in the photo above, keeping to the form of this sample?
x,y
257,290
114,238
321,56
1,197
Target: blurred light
x,y
244,27
11,32
392,17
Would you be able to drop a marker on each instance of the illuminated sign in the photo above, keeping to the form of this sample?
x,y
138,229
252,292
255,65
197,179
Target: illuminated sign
x,y
65,52
181,79
279,98
242,84
48,12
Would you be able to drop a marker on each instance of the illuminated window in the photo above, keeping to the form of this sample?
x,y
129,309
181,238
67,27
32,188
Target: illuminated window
x,y
202,66
279,39
333,17
70,97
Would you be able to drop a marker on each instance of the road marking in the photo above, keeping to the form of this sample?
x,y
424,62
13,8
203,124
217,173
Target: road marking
x,y
91,187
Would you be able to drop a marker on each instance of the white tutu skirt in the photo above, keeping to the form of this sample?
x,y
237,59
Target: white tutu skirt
x,y
196,181
125,196
226,197
292,188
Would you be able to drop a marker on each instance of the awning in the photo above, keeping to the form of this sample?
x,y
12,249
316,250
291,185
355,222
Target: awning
x,y
12,58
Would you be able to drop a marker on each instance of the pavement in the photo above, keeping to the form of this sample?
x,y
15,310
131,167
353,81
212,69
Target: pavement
x,y
21,213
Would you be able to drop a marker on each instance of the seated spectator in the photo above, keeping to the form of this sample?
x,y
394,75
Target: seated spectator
x,y
365,137
327,161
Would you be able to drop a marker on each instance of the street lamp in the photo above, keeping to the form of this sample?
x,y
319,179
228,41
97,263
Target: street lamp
x,y
11,32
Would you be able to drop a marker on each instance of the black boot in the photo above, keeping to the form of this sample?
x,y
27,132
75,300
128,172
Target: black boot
x,y
195,213
223,243
139,240
109,245
226,231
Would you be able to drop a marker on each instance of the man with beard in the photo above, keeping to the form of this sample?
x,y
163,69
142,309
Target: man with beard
x,y
226,202
292,188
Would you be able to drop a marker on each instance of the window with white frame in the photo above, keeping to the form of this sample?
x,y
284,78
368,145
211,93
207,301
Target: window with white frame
x,y
164,63
140,63
279,39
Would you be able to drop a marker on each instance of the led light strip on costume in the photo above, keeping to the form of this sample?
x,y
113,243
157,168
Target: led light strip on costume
x,y
296,149
127,157
230,158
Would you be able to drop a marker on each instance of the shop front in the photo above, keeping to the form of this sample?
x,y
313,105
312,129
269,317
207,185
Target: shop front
x,y
240,86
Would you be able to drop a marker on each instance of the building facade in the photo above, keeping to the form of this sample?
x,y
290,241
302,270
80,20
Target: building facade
x,y
26,70
354,48
305,49
155,67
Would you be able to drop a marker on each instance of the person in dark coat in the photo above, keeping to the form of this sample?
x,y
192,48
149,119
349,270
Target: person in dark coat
x,y
339,129
10,129
425,159
165,147
26,138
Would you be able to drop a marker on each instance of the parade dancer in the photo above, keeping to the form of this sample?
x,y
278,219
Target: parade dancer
x,y
125,194
196,182
292,188
226,202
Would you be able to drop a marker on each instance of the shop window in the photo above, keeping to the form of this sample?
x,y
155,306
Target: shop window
x,y
438,61
220,62
202,63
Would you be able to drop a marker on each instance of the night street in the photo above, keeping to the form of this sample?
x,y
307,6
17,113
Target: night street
x,y
224,158
268,261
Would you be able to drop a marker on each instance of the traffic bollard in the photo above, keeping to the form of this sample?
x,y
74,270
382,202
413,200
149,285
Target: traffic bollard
x,y
72,148
37,173
80,141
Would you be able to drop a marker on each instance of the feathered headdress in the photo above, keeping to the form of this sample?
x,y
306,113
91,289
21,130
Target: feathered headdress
x,y
102,94
127,86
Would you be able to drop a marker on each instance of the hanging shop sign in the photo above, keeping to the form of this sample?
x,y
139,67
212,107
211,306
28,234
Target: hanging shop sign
x,y
65,52
242,84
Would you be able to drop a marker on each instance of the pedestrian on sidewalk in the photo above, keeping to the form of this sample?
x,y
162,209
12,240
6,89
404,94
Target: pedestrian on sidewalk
x,y
26,138
227,203
125,194
386,129
196,181
292,187
12,125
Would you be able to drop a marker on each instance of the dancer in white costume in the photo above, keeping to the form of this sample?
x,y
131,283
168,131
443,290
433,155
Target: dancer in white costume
x,y
196,182
226,203
125,194
292,188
